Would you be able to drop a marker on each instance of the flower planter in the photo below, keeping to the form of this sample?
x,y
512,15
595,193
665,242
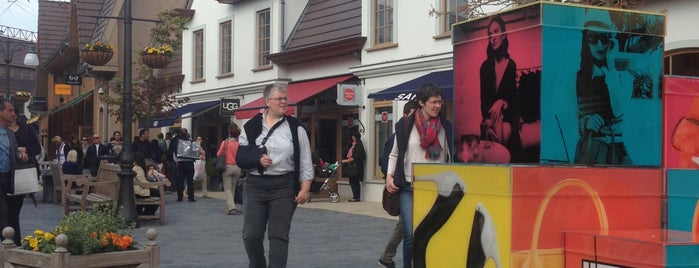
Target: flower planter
x,y
20,98
96,58
148,256
155,61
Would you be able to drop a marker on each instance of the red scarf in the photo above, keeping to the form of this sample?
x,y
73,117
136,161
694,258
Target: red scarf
x,y
429,135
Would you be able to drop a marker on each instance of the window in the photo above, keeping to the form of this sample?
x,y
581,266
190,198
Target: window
x,y
454,11
263,40
383,21
683,63
198,72
226,56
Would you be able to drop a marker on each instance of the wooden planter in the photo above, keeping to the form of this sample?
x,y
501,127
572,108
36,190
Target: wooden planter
x,y
147,257
96,58
155,61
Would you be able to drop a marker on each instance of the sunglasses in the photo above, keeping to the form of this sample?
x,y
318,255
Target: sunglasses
x,y
593,37
84,139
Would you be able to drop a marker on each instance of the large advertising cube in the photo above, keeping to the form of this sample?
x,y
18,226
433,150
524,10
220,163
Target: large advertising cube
x,y
561,84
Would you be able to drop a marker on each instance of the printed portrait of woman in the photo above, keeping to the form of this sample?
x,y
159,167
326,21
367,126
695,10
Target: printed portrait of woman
x,y
498,89
599,124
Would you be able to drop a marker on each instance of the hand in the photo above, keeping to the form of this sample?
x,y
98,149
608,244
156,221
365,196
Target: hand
x,y
390,186
302,197
265,161
23,156
594,122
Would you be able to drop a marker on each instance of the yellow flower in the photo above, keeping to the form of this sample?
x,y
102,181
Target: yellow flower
x,y
34,243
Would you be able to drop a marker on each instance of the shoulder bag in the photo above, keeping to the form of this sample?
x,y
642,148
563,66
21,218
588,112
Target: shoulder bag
x,y
26,180
219,162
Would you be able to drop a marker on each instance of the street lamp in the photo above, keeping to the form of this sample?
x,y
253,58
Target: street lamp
x,y
30,59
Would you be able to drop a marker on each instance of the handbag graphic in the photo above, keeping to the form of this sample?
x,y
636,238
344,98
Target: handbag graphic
x,y
553,257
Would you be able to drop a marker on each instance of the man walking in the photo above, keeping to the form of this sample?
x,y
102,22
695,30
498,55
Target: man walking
x,y
10,156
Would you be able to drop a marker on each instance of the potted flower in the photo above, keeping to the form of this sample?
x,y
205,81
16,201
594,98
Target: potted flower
x,y
97,53
22,96
94,238
157,57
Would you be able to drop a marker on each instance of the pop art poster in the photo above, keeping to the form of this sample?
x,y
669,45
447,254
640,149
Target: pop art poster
x,y
681,124
497,73
461,215
546,201
601,80
682,200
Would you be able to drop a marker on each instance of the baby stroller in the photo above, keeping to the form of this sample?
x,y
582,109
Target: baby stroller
x,y
327,173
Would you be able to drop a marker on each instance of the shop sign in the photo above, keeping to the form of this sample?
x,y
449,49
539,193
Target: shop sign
x,y
348,95
229,106
74,79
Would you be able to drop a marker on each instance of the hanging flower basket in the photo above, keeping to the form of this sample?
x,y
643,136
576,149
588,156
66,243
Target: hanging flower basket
x,y
21,96
155,61
96,58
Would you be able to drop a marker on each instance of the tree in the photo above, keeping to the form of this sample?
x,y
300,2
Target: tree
x,y
154,96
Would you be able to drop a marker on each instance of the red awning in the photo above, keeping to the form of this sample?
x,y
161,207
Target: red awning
x,y
297,92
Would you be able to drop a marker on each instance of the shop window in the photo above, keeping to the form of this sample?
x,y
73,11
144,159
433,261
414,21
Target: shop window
x,y
683,63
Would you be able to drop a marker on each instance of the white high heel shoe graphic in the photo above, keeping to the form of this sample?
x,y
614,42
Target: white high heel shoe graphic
x,y
483,244
451,189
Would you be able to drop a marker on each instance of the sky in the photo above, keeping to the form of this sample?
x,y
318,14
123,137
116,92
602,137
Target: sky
x,y
20,14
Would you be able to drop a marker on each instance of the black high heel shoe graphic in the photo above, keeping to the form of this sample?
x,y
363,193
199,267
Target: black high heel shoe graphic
x,y
451,190
483,244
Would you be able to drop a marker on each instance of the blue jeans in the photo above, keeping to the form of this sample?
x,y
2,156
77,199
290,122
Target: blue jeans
x,y
269,201
405,201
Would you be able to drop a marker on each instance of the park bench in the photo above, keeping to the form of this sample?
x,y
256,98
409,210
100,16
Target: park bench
x,y
85,191
157,201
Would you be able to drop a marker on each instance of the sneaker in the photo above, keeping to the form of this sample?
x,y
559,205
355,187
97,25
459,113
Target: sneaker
x,y
387,264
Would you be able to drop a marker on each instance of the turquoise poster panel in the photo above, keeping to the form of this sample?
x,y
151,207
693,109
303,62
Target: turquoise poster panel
x,y
682,197
600,86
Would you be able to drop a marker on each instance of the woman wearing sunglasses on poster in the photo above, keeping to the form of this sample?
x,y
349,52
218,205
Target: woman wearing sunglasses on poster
x,y
599,124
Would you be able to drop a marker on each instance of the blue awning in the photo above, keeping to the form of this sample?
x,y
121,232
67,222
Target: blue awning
x,y
189,108
406,91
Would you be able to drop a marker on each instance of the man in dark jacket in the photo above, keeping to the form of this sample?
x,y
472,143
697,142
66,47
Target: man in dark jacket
x,y
94,153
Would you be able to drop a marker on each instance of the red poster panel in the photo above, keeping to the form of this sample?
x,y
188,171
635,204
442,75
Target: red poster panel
x,y
497,73
681,122
547,201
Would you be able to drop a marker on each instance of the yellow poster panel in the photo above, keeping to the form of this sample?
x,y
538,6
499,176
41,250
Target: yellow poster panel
x,y
461,215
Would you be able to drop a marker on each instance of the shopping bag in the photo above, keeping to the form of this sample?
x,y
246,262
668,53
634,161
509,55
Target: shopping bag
x,y
26,180
199,169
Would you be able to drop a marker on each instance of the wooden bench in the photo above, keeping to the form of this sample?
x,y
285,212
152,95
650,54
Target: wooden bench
x,y
153,201
101,189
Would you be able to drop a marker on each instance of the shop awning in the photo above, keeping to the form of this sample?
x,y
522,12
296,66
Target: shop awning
x,y
72,102
297,92
188,108
406,91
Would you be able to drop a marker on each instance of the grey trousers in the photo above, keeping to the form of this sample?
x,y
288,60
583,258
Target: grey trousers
x,y
393,242
269,202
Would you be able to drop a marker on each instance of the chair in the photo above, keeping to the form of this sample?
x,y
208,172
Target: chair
x,y
56,174
100,189
158,201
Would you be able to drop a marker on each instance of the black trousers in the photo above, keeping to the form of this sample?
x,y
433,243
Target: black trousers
x,y
185,173
10,207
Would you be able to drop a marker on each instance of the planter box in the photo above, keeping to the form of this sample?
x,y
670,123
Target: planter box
x,y
147,257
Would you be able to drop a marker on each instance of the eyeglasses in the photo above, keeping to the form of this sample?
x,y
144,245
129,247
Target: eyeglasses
x,y
593,37
84,139
279,99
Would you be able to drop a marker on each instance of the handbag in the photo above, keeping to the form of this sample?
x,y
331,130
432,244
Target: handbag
x,y
248,156
219,162
26,180
350,169
553,257
390,202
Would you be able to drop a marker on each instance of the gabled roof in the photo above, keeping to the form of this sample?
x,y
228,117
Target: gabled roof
x,y
326,29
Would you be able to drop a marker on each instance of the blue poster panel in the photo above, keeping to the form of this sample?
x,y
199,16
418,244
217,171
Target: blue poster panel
x,y
601,97
497,74
682,200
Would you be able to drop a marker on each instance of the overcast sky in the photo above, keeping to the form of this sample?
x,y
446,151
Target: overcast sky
x,y
20,14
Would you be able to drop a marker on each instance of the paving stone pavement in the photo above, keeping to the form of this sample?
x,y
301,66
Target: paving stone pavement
x,y
199,234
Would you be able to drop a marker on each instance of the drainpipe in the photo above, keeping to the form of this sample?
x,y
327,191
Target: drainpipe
x,y
283,11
